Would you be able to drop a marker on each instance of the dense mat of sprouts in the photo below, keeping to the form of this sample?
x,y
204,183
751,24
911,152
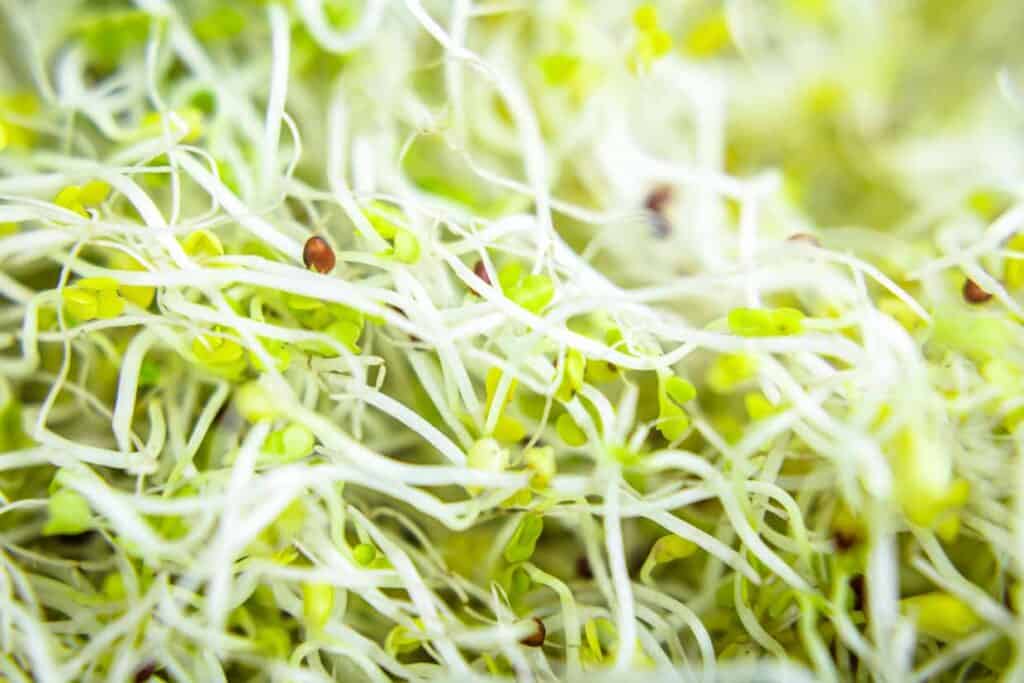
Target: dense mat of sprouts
x,y
646,347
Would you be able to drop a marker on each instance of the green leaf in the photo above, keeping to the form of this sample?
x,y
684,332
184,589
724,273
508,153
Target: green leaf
x,y
69,514
760,322
407,247
524,540
569,431
533,293
572,377
679,390
509,429
317,602
255,403
364,554
672,547
673,421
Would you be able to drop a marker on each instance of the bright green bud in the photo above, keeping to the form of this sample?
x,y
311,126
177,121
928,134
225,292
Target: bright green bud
x,y
645,17
298,302
509,275
216,350
941,616
673,422
69,514
569,431
524,540
254,403
542,461
672,547
70,198
401,640
317,601
559,68
572,379
385,219
345,332
709,37
109,304
294,442
516,581
201,244
488,456
113,587
758,406
533,293
407,247
760,322
679,390
364,554
509,429
730,370
81,303
94,193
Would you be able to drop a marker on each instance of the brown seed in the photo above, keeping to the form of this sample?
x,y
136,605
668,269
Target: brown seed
x,y
318,255
804,238
844,540
583,567
145,673
858,587
974,294
658,198
536,639
480,270
655,204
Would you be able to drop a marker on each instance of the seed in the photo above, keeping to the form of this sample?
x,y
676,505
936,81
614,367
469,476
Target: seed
x,y
536,639
583,569
844,540
655,204
145,673
974,294
480,270
318,255
658,198
858,587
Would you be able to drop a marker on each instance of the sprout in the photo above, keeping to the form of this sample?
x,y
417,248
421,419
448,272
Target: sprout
x,y
616,276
